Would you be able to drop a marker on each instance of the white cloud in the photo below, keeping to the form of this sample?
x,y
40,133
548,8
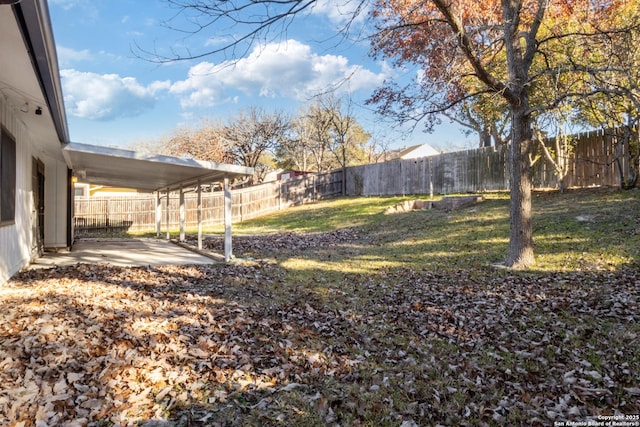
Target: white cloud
x,y
107,96
340,11
68,56
289,69
218,41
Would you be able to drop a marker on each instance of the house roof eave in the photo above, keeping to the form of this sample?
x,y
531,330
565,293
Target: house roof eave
x,y
34,22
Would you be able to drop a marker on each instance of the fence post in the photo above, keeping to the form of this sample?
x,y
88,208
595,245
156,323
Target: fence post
x,y
199,214
182,213
167,214
314,180
228,248
158,214
107,211
430,179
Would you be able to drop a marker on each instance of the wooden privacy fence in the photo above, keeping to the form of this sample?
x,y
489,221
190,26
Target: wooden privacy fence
x,y
458,172
109,215
595,159
591,162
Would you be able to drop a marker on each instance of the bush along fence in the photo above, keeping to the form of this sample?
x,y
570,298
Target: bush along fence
x,y
593,160
116,215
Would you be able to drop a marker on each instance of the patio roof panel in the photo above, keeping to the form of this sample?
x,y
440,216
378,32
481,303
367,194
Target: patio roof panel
x,y
124,168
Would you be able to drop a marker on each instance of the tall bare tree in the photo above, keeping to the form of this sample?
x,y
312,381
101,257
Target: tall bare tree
x,y
317,123
325,136
347,140
253,134
204,142
305,147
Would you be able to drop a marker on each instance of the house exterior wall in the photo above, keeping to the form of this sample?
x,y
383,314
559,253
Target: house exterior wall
x,y
16,240
55,203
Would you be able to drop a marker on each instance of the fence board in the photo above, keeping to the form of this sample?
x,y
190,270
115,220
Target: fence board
x,y
120,214
592,163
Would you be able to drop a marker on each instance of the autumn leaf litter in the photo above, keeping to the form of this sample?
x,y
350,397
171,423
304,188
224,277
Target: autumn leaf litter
x,y
240,344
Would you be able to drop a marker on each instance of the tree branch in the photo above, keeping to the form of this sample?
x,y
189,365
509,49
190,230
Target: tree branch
x,y
465,44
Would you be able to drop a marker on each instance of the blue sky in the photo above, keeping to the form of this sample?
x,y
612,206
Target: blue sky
x,y
115,98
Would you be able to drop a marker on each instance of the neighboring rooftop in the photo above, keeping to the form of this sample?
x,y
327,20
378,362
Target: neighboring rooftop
x,y
413,152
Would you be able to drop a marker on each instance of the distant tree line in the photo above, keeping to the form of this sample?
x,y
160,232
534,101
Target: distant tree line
x,y
322,136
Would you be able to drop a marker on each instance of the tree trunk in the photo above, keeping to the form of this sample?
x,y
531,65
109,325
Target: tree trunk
x,y
485,137
521,226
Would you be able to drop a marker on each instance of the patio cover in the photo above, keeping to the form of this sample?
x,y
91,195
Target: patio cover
x,y
124,168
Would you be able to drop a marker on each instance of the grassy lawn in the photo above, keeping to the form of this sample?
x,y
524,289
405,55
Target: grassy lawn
x,y
339,314
578,230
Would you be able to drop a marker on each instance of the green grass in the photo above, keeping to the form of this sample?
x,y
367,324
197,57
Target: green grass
x,y
579,230
321,217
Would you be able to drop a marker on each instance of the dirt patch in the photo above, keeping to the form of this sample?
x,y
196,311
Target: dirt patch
x,y
447,203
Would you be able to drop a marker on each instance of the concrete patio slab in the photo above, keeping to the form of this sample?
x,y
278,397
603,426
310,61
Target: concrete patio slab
x,y
123,252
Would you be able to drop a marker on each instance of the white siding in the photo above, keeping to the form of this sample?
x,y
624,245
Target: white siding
x,y
55,203
16,239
